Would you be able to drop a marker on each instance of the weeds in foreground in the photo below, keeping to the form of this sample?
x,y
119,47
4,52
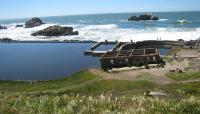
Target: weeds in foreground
x,y
94,105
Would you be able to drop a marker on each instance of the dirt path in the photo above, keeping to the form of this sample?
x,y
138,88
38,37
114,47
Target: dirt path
x,y
156,75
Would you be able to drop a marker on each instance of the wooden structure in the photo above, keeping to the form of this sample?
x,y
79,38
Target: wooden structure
x,y
132,57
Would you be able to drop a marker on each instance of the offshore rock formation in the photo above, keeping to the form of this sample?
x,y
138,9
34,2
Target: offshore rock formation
x,y
17,26
2,27
5,40
56,31
33,22
143,17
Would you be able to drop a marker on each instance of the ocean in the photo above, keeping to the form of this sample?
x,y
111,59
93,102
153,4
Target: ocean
x,y
112,27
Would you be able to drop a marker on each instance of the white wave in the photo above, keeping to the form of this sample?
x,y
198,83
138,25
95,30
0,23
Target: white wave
x,y
21,33
124,20
183,21
107,26
114,33
13,25
163,19
110,32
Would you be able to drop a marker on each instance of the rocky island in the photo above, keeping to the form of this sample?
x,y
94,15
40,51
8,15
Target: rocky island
x,y
2,27
144,17
56,31
33,22
17,26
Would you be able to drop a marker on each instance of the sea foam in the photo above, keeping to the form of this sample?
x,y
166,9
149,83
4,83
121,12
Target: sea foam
x,y
110,32
163,19
183,21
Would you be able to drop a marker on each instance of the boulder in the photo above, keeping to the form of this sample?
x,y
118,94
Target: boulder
x,y
56,31
3,27
133,18
143,17
17,26
155,18
5,40
33,22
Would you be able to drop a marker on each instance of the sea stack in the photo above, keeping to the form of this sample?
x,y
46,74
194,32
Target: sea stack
x,y
5,40
144,17
3,27
56,31
33,22
17,26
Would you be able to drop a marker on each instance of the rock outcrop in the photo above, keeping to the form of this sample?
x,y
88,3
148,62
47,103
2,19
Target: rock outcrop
x,y
143,17
56,31
3,27
5,40
17,26
33,23
133,18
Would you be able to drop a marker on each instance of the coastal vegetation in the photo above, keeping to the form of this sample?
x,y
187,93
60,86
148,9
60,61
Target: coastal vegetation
x,y
86,92
183,76
76,104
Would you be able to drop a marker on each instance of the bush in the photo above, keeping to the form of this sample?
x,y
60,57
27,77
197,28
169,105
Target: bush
x,y
146,66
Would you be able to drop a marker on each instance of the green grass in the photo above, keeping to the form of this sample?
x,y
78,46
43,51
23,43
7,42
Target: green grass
x,y
101,104
81,93
116,87
76,79
183,76
86,83
183,89
145,77
82,82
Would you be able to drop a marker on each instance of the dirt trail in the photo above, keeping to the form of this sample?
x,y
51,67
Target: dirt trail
x,y
156,75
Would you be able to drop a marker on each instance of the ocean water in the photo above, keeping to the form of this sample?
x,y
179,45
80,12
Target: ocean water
x,y
111,27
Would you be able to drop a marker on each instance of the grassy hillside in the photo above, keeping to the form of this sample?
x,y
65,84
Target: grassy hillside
x,y
101,104
87,93
183,76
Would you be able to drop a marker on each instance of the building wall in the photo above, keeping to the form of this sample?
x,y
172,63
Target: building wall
x,y
118,62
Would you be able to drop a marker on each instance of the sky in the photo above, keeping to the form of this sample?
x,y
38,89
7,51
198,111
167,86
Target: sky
x,y
31,8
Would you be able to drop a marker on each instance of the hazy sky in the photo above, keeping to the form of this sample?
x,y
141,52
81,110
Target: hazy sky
x,y
30,8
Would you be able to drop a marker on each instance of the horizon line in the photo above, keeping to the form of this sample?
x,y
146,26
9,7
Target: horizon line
x,y
96,14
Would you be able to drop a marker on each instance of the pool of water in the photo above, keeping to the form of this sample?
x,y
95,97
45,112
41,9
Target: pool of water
x,y
105,47
164,51
46,61
43,61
